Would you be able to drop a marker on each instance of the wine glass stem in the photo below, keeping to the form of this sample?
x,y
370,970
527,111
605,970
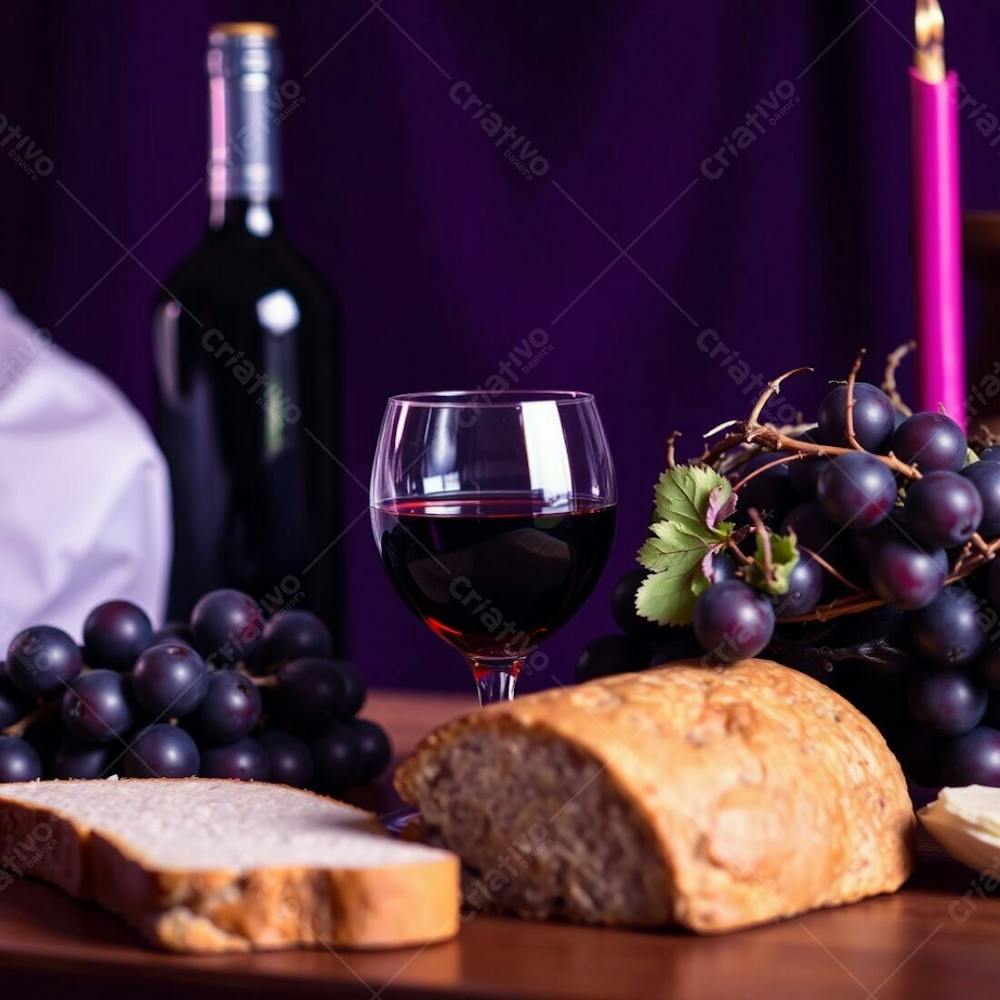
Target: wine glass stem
x,y
495,679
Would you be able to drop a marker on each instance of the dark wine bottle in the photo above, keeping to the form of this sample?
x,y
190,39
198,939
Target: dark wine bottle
x,y
246,358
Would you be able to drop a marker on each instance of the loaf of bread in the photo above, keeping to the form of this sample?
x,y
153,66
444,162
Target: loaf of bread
x,y
713,798
208,866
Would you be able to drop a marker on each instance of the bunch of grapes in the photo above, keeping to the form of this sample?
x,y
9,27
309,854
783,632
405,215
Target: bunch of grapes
x,y
894,597
231,694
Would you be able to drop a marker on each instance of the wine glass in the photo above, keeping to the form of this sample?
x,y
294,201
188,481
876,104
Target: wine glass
x,y
494,514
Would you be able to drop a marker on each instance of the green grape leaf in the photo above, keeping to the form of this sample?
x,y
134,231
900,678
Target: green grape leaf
x,y
694,494
784,556
692,504
970,456
668,598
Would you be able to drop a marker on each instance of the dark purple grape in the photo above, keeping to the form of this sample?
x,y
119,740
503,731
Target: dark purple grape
x,y
991,453
893,529
803,474
993,583
811,526
949,631
857,490
73,759
931,441
992,716
14,706
723,568
162,751
732,621
678,644
609,654
96,707
41,659
985,476
228,626
874,416
292,635
336,759
770,493
114,635
805,587
949,702
173,632
943,509
907,577
355,691
244,760
18,760
973,759
288,758
373,747
312,694
623,606
230,709
45,734
988,666
170,680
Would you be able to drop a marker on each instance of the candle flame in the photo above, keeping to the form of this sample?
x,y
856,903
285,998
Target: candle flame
x,y
929,24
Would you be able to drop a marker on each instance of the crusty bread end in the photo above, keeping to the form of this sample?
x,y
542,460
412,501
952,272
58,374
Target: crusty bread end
x,y
713,798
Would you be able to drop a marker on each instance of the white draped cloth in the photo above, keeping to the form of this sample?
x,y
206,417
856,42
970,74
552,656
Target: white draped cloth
x,y
84,490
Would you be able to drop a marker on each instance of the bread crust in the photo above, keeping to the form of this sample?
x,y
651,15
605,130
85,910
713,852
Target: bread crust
x,y
767,793
229,910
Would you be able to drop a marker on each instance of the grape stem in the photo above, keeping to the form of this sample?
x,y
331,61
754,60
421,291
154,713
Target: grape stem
x,y
852,379
892,363
832,570
41,711
838,608
774,440
733,547
879,651
270,680
671,452
864,600
781,460
770,390
764,537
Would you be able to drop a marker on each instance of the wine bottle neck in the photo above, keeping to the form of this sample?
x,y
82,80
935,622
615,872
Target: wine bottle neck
x,y
256,216
245,158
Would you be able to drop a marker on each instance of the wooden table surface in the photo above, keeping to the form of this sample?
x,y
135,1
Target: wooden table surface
x,y
938,937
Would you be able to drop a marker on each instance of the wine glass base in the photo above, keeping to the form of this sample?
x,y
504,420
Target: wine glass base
x,y
404,822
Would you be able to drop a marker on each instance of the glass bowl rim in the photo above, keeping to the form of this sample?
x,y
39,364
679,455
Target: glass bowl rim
x,y
484,398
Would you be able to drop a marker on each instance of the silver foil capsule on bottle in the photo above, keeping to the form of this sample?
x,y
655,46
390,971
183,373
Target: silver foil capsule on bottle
x,y
244,70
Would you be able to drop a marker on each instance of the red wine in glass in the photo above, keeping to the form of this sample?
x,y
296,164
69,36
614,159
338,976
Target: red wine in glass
x,y
494,575
494,515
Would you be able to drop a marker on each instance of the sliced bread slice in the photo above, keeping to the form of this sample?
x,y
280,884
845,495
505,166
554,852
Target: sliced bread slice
x,y
204,865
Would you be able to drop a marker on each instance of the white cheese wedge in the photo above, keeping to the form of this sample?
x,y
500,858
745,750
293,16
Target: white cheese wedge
x,y
966,823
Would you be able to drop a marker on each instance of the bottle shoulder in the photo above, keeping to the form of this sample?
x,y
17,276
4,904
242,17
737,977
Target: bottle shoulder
x,y
246,266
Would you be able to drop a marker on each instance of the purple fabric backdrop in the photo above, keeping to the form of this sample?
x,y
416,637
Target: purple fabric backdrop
x,y
641,231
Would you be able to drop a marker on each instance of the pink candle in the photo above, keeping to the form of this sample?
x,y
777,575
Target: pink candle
x,y
937,224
